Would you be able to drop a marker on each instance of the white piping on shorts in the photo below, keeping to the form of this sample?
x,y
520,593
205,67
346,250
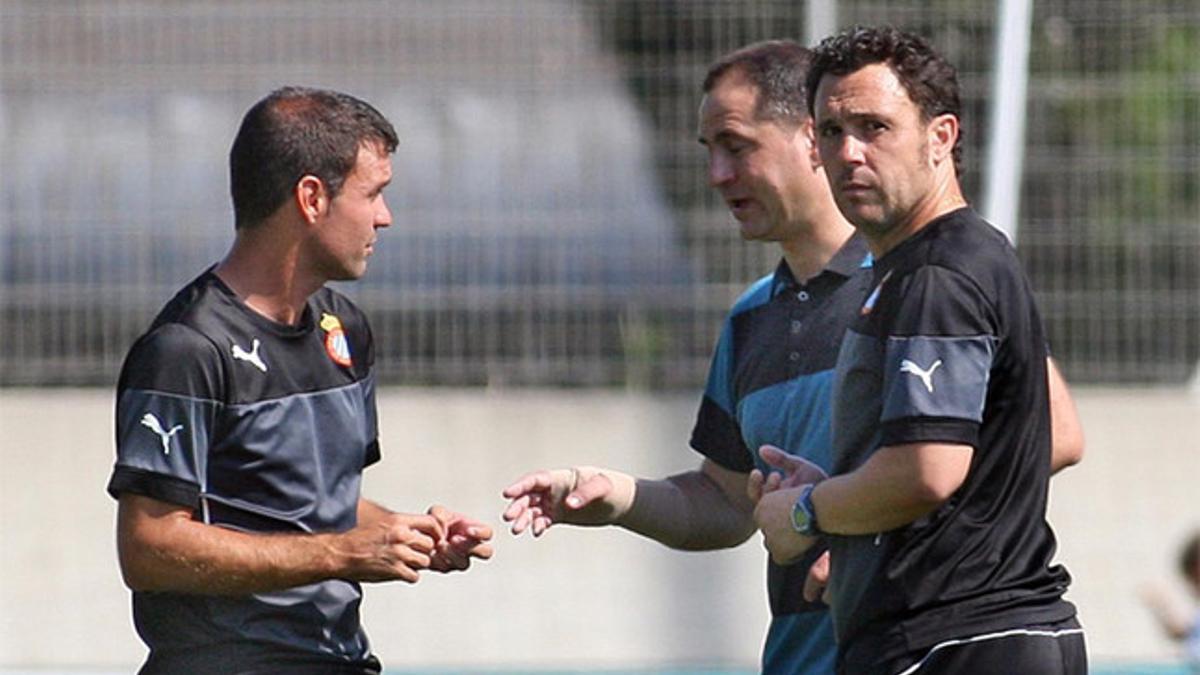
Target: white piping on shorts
x,y
990,636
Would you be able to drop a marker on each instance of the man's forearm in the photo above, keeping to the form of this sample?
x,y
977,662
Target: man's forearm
x,y
897,486
182,555
163,549
688,511
369,511
854,504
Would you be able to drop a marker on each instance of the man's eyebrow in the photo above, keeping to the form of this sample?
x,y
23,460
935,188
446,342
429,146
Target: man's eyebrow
x,y
862,114
853,116
725,135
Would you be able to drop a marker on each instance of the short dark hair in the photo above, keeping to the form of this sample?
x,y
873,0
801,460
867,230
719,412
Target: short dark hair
x,y
294,132
1189,558
930,80
777,68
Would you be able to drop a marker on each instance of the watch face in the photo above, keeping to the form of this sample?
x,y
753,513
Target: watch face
x,y
799,518
804,520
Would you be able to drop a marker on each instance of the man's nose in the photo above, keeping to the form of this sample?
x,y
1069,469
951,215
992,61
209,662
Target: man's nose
x,y
383,215
851,149
720,170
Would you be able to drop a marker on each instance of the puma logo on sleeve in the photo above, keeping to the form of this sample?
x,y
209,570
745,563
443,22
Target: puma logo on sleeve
x,y
926,376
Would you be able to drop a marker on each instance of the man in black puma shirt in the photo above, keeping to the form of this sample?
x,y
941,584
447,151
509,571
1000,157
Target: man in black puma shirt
x,y
246,414
935,514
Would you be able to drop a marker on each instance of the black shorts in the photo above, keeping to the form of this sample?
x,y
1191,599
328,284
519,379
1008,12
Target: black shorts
x,y
1035,650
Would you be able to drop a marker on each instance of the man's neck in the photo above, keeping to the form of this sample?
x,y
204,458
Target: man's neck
x,y
810,252
946,198
265,275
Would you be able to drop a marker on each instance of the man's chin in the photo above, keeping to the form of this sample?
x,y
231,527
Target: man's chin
x,y
752,231
862,215
348,274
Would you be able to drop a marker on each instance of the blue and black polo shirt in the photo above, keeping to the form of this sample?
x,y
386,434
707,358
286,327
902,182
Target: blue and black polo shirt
x,y
948,348
771,382
257,427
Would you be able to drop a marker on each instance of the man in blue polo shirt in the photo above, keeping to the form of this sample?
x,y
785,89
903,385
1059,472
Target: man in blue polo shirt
x,y
771,373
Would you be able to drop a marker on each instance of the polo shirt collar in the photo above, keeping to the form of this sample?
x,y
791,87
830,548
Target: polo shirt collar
x,y
851,257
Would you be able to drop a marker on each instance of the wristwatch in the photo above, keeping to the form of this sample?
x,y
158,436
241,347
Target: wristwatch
x,y
804,514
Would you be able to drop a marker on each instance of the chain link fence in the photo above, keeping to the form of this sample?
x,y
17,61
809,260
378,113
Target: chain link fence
x,y
552,221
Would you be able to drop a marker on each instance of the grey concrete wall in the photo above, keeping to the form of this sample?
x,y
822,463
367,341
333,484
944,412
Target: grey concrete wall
x,y
575,598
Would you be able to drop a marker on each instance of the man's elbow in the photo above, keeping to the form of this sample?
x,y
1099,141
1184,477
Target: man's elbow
x,y
137,566
135,581
142,550
1066,452
1073,454
728,537
930,494
135,578
935,487
923,476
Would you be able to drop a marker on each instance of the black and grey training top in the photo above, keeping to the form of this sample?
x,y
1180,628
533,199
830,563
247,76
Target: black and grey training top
x,y
257,427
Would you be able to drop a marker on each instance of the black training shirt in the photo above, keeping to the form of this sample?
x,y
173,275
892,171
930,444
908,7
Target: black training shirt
x,y
948,348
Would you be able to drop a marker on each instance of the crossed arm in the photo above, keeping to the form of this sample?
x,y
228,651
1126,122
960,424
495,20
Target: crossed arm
x,y
162,548
895,486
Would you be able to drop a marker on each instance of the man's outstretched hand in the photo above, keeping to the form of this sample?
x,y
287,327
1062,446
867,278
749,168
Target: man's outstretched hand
x,y
582,495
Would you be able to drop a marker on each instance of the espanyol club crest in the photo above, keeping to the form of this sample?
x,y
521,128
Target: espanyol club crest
x,y
869,305
336,344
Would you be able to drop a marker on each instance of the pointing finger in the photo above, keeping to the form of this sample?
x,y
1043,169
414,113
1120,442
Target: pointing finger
x,y
527,483
776,457
798,469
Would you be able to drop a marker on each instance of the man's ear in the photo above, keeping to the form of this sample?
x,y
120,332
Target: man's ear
x,y
809,129
943,134
312,198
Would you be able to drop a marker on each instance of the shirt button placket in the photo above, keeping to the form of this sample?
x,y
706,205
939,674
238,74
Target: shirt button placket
x,y
796,326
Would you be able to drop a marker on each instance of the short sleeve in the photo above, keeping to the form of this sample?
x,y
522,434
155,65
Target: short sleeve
x,y
167,405
717,434
361,340
373,453
941,338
